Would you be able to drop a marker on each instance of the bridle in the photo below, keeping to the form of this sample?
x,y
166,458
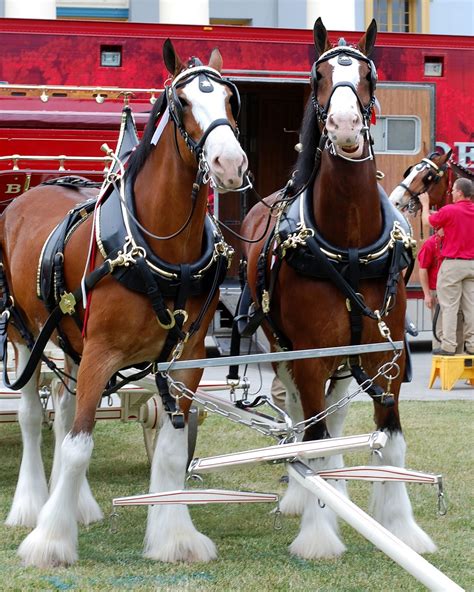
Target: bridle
x,y
172,107
207,76
345,54
435,173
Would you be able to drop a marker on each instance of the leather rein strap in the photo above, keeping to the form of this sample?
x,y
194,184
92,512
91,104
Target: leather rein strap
x,y
37,347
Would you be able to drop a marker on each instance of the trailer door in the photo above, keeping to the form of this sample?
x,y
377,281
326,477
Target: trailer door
x,y
405,129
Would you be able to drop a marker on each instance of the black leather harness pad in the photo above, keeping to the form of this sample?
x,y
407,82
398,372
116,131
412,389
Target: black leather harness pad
x,y
304,262
54,245
113,235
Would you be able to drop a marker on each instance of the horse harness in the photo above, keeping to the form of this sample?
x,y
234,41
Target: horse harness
x,y
129,260
433,176
296,240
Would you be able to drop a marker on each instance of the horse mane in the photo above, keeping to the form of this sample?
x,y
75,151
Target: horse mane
x,y
310,136
461,170
144,148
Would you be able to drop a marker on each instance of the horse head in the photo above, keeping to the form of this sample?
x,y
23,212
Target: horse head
x,y
429,175
343,80
205,106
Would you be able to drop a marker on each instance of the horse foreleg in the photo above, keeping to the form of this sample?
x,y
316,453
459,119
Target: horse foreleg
x,y
54,541
31,491
88,510
170,535
318,536
337,390
390,504
295,497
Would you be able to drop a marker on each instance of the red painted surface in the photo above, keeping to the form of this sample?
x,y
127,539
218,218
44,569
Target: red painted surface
x,y
68,53
38,52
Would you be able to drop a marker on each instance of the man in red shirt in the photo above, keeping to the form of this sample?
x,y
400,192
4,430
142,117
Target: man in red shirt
x,y
455,285
429,261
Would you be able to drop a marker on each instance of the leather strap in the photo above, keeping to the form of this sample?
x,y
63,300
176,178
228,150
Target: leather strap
x,y
51,324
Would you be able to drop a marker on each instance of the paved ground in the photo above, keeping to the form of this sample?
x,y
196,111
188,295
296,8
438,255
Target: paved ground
x,y
261,378
417,390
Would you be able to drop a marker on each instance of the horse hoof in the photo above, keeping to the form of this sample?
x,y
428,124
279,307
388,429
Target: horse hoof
x,y
88,510
37,551
312,546
25,514
188,548
415,537
294,500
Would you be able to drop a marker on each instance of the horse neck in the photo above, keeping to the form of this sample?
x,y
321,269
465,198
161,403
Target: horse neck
x,y
162,193
346,202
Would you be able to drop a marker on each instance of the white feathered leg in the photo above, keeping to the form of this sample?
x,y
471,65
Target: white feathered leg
x,y
88,510
319,533
296,496
337,390
318,537
31,491
170,535
54,541
390,504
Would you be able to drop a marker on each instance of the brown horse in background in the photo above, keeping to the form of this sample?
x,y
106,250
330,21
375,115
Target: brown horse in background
x,y
167,179
434,174
342,211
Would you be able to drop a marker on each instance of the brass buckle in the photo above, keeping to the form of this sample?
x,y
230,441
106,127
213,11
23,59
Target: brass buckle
x,y
67,303
169,325
266,302
172,317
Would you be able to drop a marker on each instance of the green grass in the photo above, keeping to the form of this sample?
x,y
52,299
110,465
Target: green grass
x,y
252,554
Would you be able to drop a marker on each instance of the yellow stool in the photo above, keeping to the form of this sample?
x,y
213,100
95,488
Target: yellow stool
x,y
450,369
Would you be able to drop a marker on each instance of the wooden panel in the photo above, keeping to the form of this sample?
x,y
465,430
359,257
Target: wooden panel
x,y
413,100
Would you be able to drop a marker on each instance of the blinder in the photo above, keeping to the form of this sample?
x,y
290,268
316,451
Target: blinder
x,y
345,55
205,85
434,175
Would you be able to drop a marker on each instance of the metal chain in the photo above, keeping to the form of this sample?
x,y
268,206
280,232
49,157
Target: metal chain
x,y
257,425
384,371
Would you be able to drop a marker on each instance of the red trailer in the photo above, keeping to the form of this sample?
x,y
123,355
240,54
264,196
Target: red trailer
x,y
82,71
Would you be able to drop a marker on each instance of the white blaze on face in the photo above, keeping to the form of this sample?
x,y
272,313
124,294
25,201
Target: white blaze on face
x,y
344,122
222,151
400,196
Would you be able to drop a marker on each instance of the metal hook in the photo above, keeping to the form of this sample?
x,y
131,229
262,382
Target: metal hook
x,y
113,528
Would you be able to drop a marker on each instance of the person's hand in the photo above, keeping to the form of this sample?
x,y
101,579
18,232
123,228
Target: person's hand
x,y
429,301
424,199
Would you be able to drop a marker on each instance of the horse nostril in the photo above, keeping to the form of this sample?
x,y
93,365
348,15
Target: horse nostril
x,y
356,119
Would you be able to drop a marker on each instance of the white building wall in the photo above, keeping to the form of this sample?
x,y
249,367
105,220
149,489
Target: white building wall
x,y
337,15
184,12
37,9
452,17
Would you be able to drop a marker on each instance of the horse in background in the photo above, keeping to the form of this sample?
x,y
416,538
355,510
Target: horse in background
x,y
151,232
434,174
327,274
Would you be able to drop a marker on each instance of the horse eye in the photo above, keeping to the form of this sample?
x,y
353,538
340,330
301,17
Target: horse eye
x,y
184,102
318,76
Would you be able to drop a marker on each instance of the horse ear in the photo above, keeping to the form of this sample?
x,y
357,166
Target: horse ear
x,y
445,157
367,41
215,61
171,58
320,34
